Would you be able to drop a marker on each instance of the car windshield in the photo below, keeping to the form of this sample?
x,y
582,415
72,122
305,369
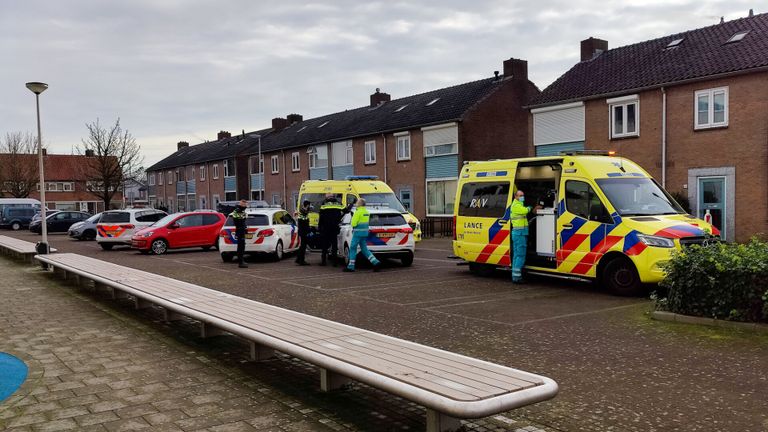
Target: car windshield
x,y
388,219
388,200
94,218
112,217
251,220
165,220
638,197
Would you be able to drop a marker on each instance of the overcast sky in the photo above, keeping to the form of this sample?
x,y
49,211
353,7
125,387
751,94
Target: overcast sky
x,y
181,70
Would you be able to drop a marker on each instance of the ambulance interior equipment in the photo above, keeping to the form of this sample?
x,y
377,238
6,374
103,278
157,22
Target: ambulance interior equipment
x,y
540,181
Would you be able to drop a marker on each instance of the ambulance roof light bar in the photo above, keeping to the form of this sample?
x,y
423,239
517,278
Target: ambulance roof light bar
x,y
361,177
588,153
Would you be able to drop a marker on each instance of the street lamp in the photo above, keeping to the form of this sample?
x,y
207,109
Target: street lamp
x,y
37,88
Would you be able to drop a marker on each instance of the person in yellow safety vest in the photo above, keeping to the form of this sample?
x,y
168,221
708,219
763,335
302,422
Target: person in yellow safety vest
x,y
519,222
360,236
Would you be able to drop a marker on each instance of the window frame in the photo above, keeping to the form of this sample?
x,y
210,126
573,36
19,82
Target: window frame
x,y
275,164
170,177
623,103
295,162
160,180
370,156
406,144
594,191
202,172
710,93
427,148
426,194
152,179
215,171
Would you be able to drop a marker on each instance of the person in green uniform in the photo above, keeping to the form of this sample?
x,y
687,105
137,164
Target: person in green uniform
x,y
359,237
519,222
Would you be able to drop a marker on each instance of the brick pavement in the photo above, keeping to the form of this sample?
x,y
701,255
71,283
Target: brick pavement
x,y
98,365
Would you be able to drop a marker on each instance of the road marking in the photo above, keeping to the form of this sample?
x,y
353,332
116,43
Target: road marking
x,y
501,295
384,287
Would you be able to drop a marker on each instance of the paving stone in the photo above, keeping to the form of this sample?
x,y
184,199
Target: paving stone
x,y
166,416
125,425
98,418
136,411
56,425
106,406
68,412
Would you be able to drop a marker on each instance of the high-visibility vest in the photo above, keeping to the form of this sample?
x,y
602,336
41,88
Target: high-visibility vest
x,y
360,221
519,215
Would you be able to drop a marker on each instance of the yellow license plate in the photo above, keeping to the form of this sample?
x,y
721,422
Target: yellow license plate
x,y
385,235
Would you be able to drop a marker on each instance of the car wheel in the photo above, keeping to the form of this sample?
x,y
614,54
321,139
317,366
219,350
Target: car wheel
x,y
106,246
346,254
407,259
621,278
226,257
159,247
279,250
15,226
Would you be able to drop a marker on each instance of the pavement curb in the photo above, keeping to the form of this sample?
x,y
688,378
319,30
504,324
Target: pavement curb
x,y
711,322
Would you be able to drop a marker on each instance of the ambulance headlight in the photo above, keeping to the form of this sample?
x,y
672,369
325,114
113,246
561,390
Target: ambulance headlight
x,y
656,241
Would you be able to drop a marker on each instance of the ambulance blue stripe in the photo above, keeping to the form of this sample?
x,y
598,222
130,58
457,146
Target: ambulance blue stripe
x,y
630,240
497,226
568,233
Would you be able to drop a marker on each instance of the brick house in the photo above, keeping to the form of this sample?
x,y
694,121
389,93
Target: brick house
x,y
691,108
65,184
416,144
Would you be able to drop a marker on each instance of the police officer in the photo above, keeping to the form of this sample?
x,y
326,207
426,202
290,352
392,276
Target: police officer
x,y
359,235
519,218
303,221
238,217
328,222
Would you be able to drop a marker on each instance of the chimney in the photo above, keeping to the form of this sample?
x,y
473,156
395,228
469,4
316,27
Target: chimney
x,y
279,123
181,145
379,98
223,134
90,153
516,68
592,47
45,152
295,118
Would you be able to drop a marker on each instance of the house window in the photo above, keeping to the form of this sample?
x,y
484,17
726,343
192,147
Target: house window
x,y
406,198
216,200
348,154
160,178
318,156
256,165
275,199
202,172
441,149
229,168
215,171
68,187
370,152
176,175
295,162
711,108
625,114
275,165
230,196
151,179
441,195
203,202
404,148
170,177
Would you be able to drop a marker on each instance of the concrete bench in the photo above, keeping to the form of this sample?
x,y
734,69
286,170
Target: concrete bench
x,y
18,248
449,385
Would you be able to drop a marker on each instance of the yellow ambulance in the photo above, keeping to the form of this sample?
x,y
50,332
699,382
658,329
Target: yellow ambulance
x,y
375,192
604,218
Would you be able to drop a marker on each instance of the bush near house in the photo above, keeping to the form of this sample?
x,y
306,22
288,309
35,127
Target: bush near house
x,y
722,280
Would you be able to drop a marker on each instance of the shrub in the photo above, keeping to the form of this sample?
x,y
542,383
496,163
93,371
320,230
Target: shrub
x,y
721,280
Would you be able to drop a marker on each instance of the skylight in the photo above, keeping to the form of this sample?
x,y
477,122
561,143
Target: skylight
x,y
302,128
675,43
738,36
432,102
324,123
401,108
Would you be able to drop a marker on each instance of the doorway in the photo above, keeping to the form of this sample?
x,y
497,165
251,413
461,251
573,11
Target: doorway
x,y
712,198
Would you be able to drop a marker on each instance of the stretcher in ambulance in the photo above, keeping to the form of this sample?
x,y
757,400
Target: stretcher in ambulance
x,y
604,218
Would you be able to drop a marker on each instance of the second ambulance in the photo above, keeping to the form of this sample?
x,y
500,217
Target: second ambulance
x,y
603,218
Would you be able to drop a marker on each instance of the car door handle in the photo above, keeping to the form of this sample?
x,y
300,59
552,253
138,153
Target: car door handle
x,y
567,226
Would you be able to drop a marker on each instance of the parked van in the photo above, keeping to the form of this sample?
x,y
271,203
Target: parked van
x,y
603,218
376,194
16,218
19,202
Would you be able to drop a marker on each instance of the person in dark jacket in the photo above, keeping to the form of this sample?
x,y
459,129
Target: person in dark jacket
x,y
331,213
302,217
238,217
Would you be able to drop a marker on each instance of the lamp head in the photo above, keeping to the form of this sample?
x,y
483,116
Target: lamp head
x,y
37,87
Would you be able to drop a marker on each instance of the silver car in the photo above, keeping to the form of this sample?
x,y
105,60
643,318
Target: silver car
x,y
85,230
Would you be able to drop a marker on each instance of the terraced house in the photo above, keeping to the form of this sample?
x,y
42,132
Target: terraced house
x,y
692,108
416,144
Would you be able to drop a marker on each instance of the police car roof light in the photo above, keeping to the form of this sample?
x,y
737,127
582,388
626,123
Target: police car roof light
x,y
361,177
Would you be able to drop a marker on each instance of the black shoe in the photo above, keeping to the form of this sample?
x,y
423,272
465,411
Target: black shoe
x,y
348,270
376,268
243,265
302,263
322,263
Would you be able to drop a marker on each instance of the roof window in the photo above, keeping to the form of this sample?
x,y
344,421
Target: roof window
x,y
738,36
324,123
302,128
432,102
401,108
675,43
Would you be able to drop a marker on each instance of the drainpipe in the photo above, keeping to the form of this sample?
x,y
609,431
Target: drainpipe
x,y
385,157
663,138
285,187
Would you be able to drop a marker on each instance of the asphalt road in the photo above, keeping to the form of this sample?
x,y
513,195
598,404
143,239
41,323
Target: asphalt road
x,y
618,370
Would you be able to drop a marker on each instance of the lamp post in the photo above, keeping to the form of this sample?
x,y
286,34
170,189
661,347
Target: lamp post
x,y
37,88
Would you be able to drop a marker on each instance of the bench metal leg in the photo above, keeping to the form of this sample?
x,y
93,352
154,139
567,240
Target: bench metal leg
x,y
169,316
139,303
117,294
330,381
209,330
439,422
260,352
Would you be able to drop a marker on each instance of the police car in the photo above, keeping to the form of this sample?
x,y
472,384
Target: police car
x,y
118,226
389,235
268,231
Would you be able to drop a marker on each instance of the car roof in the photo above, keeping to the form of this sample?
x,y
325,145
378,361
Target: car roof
x,y
263,211
382,210
133,210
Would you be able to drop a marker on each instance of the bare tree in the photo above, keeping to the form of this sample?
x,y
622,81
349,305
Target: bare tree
x,y
18,164
112,156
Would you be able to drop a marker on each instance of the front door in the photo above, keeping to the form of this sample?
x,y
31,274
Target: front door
x,y
712,198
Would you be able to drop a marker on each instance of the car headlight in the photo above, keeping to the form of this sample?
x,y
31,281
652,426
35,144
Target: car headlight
x,y
656,241
148,234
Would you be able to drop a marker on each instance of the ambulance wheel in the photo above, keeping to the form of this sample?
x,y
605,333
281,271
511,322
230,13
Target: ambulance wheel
x,y
621,278
278,254
481,269
407,260
106,246
226,257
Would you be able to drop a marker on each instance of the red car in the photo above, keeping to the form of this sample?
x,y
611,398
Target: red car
x,y
180,230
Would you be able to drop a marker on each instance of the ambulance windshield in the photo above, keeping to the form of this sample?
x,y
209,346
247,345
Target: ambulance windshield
x,y
638,197
386,200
